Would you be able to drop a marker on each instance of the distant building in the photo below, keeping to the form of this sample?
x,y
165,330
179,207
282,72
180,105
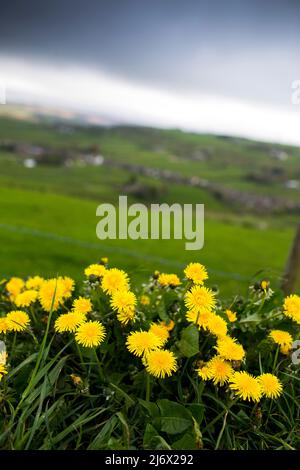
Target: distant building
x,y
292,184
29,162
98,160
279,154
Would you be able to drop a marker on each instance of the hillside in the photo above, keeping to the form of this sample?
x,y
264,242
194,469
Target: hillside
x,y
250,191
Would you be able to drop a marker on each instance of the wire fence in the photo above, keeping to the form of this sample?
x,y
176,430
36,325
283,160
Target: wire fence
x,y
109,249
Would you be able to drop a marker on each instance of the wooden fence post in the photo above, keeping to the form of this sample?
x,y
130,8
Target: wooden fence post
x,y
292,270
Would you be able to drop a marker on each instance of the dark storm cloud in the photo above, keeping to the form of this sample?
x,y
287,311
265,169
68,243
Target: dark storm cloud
x,y
238,48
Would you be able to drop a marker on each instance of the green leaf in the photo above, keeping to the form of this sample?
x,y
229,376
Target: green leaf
x,y
78,423
27,361
100,441
168,299
150,437
128,400
197,410
175,418
152,440
151,407
186,442
189,342
161,310
251,318
126,431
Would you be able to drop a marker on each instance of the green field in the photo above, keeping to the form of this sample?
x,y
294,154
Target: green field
x,y
48,219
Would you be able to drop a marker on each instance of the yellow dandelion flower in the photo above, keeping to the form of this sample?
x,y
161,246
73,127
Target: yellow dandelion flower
x,y
200,299
76,379
231,315
96,270
123,300
145,300
220,370
17,320
200,319
3,325
171,280
270,385
51,294
229,349
69,322
245,386
142,342
34,282
14,286
26,298
282,338
161,363
3,370
168,325
217,325
67,285
193,316
291,307
160,331
265,284
90,334
285,350
204,372
114,279
82,305
196,272
126,316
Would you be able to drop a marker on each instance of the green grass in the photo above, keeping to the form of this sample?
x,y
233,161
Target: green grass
x,y
48,213
47,233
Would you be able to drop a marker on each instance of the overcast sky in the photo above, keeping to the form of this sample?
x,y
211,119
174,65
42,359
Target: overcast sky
x,y
211,66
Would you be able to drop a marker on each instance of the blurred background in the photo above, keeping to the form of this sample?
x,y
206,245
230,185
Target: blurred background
x,y
164,101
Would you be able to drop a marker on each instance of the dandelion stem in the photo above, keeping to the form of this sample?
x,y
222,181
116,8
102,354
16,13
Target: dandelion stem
x,y
82,364
33,314
147,387
99,365
222,430
261,305
14,344
33,336
275,359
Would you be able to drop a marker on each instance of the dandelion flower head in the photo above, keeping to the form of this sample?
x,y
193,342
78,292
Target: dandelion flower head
x,y
200,299
245,386
160,363
142,342
270,385
17,320
171,280
113,280
90,334
196,272
229,349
